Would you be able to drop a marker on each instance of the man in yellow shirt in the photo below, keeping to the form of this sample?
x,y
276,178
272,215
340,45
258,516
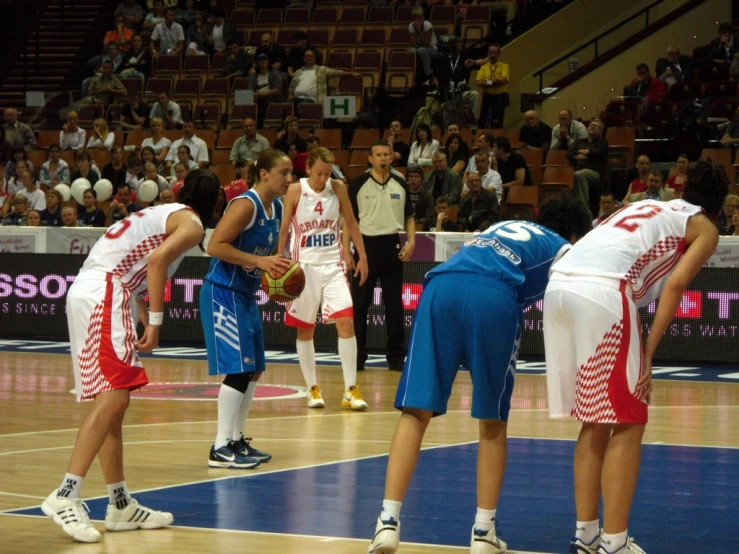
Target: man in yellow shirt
x,y
493,80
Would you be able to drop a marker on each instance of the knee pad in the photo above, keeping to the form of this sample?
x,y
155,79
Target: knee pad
x,y
238,381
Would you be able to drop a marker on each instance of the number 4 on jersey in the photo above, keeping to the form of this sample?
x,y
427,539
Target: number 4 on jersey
x,y
319,208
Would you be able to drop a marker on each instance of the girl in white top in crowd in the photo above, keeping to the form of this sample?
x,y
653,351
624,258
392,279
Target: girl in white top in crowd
x,y
55,170
15,184
424,148
158,142
36,197
102,137
150,174
183,156
72,136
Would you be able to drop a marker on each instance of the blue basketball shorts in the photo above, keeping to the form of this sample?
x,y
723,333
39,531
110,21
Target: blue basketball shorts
x,y
232,326
463,320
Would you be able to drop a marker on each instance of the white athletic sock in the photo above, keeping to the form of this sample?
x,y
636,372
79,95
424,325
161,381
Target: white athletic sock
x,y
586,531
615,541
71,486
229,402
119,495
240,421
348,357
390,510
484,519
307,358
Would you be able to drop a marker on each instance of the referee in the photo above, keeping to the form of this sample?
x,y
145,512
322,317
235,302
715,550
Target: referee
x,y
382,204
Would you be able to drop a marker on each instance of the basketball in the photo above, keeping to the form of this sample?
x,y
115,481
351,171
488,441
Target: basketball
x,y
287,286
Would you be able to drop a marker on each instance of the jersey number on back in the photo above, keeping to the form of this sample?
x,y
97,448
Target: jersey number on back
x,y
121,227
319,208
516,230
630,223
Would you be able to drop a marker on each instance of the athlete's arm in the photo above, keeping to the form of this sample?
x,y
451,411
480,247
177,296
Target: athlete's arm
x,y
702,238
143,311
351,230
239,214
289,204
410,240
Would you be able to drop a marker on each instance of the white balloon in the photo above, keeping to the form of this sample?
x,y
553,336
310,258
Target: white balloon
x,y
104,189
78,189
65,191
148,191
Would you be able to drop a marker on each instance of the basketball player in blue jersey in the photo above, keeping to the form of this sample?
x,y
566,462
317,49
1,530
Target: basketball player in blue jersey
x,y
242,245
488,283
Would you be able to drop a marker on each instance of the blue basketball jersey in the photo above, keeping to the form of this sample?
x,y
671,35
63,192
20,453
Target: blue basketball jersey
x,y
258,238
517,253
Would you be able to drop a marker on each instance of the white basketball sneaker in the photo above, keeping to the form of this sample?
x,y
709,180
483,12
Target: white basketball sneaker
x,y
353,399
629,547
71,515
315,400
135,516
387,537
486,542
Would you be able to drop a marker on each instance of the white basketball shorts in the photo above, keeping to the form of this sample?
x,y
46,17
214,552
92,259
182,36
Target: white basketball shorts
x,y
326,286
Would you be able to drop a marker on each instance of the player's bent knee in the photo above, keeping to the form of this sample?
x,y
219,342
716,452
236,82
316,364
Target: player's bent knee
x,y
345,327
306,333
423,416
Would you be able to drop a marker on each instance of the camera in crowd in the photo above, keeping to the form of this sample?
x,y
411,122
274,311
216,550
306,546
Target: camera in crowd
x,y
448,67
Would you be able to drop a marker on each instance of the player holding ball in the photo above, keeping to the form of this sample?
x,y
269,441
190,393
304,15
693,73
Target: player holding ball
x,y
242,247
313,207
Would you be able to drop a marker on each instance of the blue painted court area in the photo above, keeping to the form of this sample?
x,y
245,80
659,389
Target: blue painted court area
x,y
687,496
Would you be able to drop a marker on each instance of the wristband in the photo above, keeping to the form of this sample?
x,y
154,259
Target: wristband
x,y
156,318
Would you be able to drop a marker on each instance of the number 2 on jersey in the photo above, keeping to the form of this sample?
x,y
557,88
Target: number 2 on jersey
x,y
319,208
628,224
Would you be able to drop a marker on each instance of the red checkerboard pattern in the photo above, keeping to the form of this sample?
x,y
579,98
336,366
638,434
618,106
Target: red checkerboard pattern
x,y
138,253
592,403
662,248
93,380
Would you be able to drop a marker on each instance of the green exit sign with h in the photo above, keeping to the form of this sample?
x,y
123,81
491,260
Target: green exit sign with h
x,y
339,106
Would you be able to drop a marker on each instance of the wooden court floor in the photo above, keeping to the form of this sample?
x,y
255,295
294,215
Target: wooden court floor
x,y
167,443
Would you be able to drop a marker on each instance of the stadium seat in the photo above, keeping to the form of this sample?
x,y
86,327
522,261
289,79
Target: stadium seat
x,y
403,17
520,194
363,138
353,16
687,90
443,16
711,72
136,136
227,137
346,40
401,72
157,85
196,66
269,19
534,157
372,40
207,116
724,107
369,66
380,17
619,113
237,114
348,86
243,18
310,116
720,89
187,90
324,18
330,138
220,157
276,114
558,175
297,19
88,113
549,191
621,142
476,24
225,173
46,138
216,91
168,65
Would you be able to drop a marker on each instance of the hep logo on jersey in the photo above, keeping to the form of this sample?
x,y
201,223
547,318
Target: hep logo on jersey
x,y
326,239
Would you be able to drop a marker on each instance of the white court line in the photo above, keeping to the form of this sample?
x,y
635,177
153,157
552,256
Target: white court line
x,y
22,495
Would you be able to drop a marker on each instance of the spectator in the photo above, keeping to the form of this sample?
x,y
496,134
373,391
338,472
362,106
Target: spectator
x,y
181,172
183,157
290,136
69,217
250,145
157,141
220,32
198,148
135,112
18,154
674,68
137,62
452,130
148,156
150,174
645,87
734,229
15,183
104,88
195,38
101,136
168,111
400,150
89,215
725,46
121,209
155,16
456,155
678,180
18,134
52,215
133,14
485,146
295,60
489,178
167,4
608,207
511,165
534,134
459,86
421,200
238,63
120,35
186,16
478,210
55,170
33,218
310,82
113,55
115,170
442,181
442,221
168,37
17,215
423,41
590,158
274,52
567,132
731,135
6,199
493,79
84,168
725,35
643,167
134,171
72,136
423,148
298,162
656,190
36,197
731,206
266,84
165,197
6,150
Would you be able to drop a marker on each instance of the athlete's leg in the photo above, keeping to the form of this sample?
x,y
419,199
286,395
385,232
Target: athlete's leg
x,y
404,451
620,474
307,355
491,461
590,453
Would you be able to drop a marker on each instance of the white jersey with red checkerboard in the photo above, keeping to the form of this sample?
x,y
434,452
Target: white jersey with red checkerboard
x,y
315,226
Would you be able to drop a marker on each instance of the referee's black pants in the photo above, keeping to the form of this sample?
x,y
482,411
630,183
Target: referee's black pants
x,y
382,259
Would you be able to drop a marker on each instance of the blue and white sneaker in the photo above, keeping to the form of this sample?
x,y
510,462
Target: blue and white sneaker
x,y
225,457
487,542
629,547
387,537
243,447
578,546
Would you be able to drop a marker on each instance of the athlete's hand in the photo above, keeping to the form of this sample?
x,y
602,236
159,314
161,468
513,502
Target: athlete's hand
x,y
149,340
274,264
361,270
348,258
406,252
644,385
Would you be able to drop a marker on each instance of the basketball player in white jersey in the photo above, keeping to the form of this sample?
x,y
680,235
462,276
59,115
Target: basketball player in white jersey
x,y
597,369
134,258
313,207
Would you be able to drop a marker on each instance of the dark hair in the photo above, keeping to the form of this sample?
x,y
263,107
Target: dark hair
x,y
423,126
300,35
384,143
496,45
123,185
658,173
417,170
147,149
186,147
170,9
642,66
107,61
607,193
503,143
707,186
200,192
446,199
19,150
187,121
91,191
725,27
54,145
463,148
267,160
489,138
232,42
134,161
313,138
82,154
566,215
309,48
